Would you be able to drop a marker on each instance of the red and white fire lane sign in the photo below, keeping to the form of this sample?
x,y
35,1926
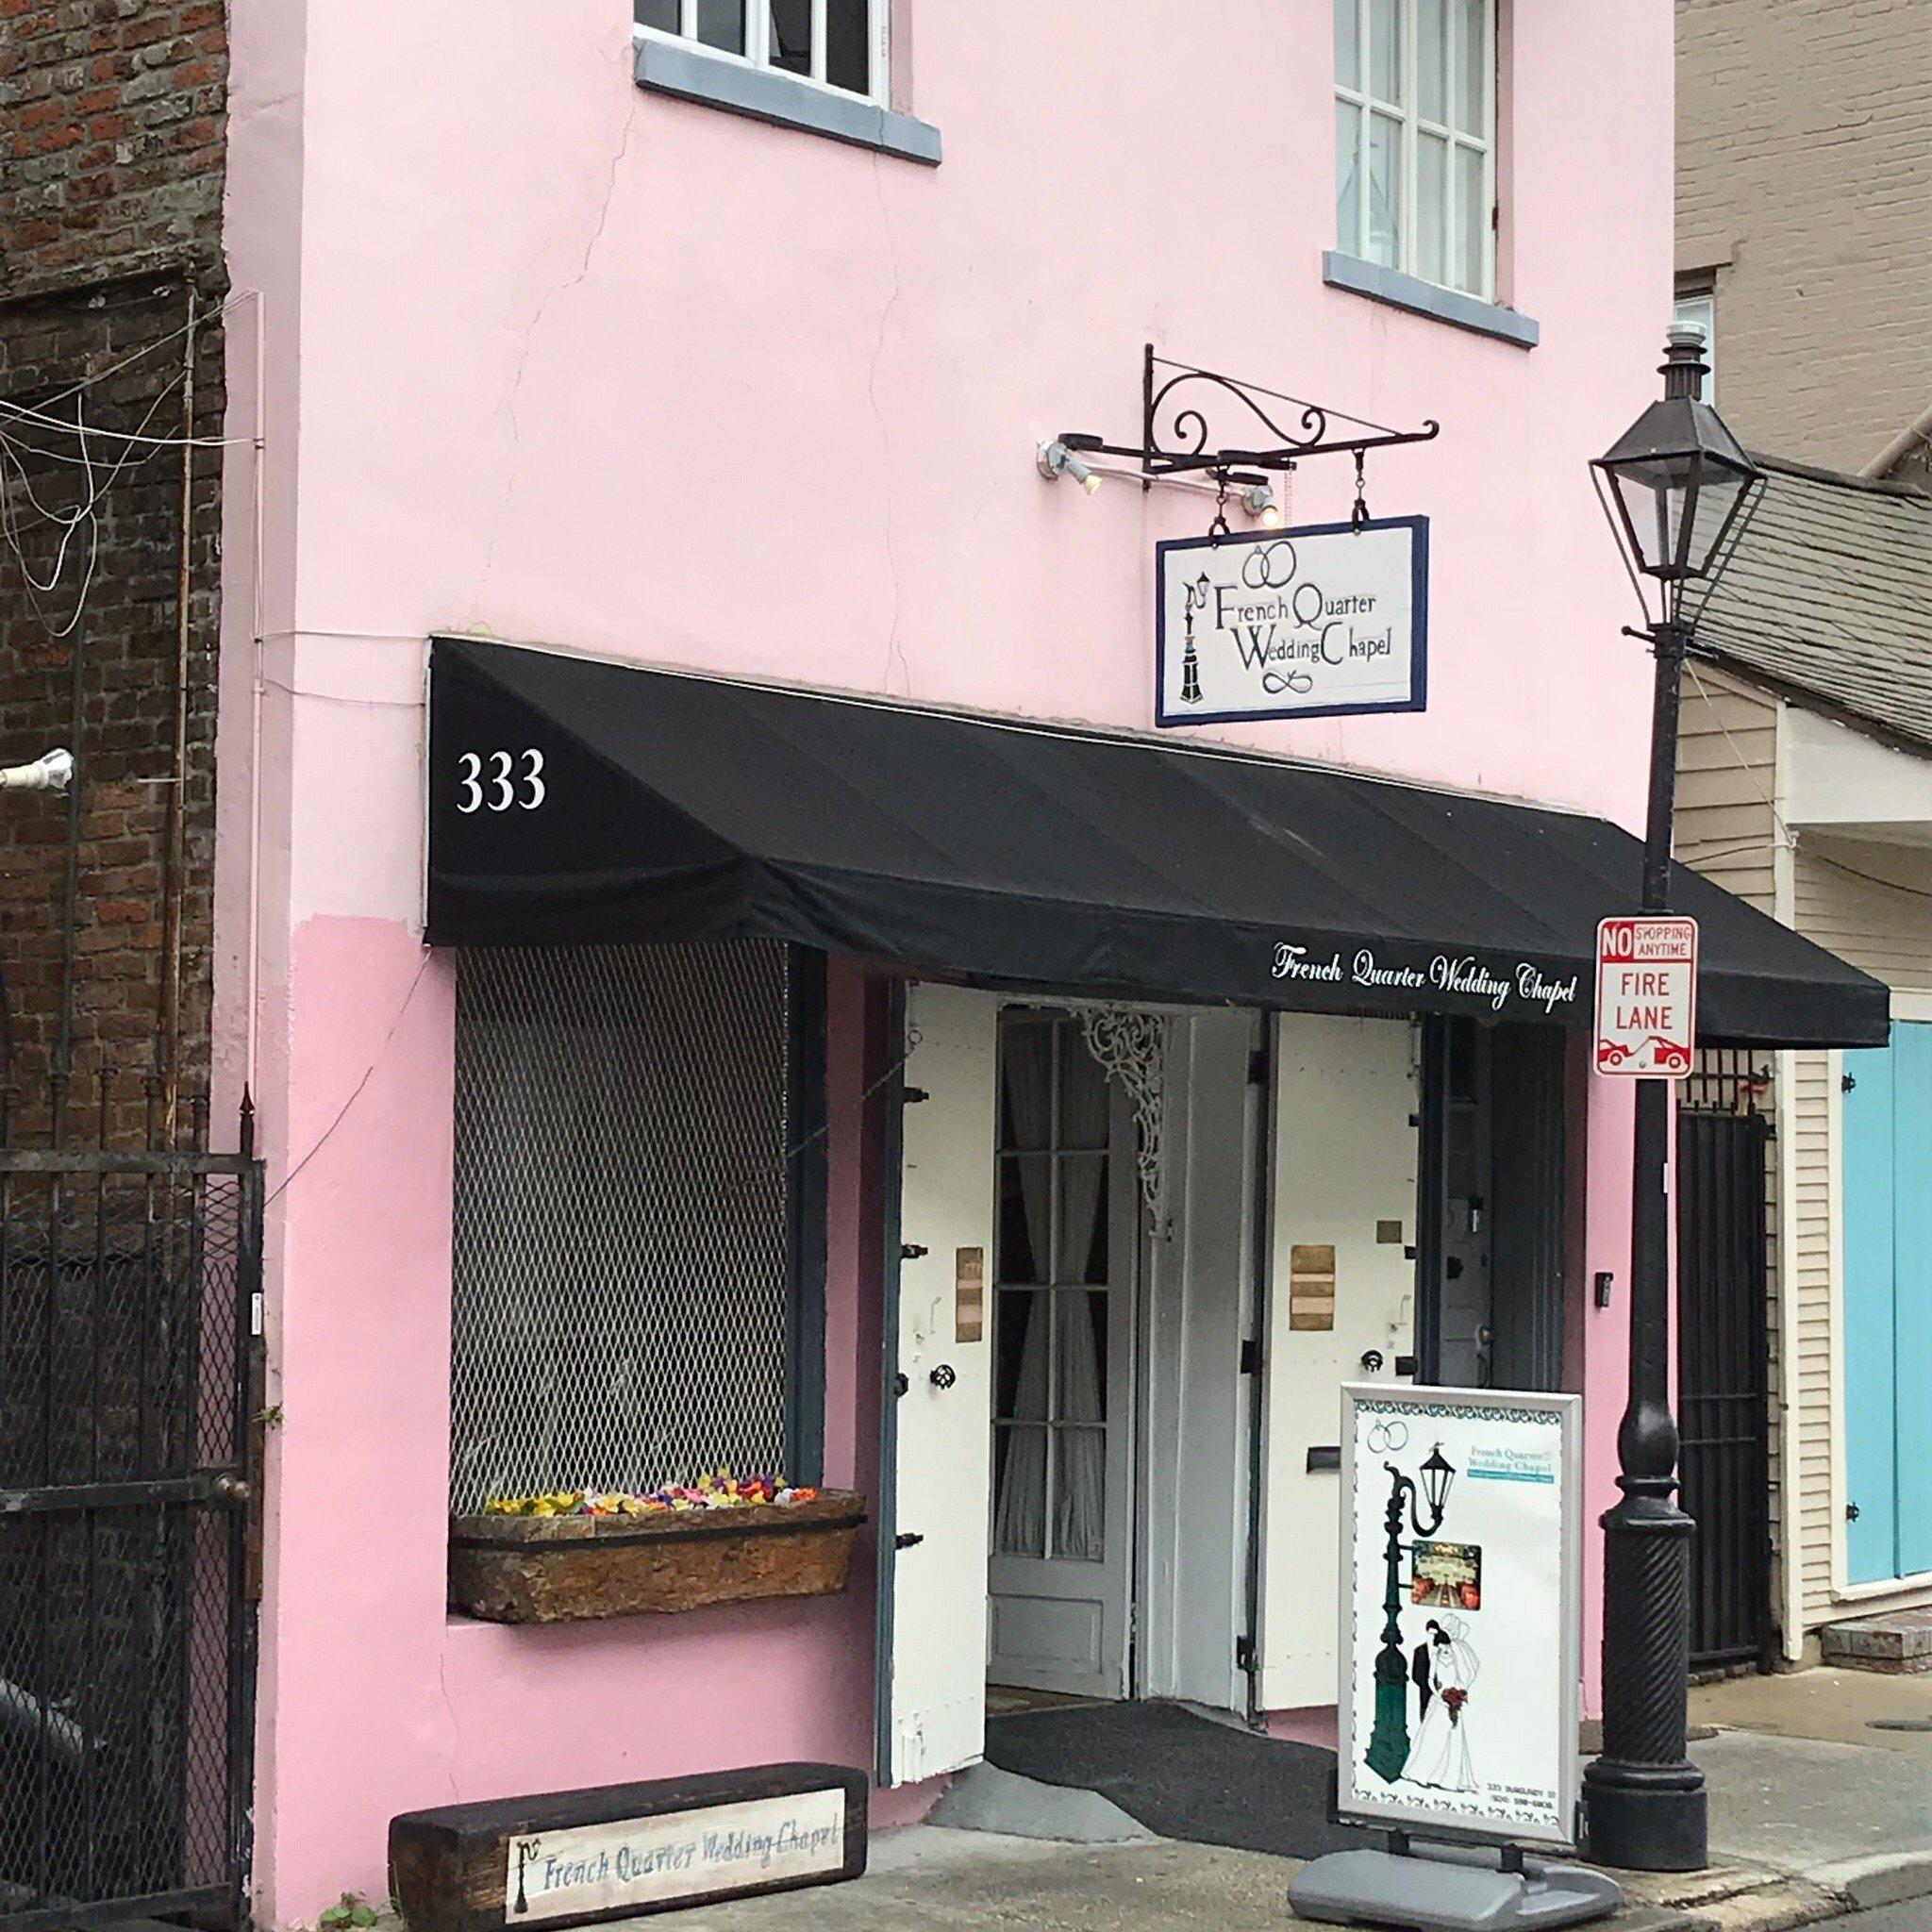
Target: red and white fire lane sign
x,y
1646,997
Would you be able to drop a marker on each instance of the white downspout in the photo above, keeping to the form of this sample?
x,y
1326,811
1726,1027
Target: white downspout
x,y
1784,1120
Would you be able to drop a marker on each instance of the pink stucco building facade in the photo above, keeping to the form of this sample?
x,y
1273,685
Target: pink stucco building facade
x,y
551,357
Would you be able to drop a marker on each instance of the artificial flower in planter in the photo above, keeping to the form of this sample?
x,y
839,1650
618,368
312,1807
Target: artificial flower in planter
x,y
566,1555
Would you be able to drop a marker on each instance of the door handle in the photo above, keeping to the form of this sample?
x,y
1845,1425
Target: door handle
x,y
943,1376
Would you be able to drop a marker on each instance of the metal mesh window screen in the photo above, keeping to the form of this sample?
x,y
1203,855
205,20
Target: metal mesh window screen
x,y
621,1252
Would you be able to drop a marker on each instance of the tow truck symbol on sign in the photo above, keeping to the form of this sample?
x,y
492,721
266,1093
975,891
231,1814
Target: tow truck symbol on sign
x,y
1669,1055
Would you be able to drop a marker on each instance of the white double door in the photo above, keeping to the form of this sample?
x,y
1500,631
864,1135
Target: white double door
x,y
1019,1535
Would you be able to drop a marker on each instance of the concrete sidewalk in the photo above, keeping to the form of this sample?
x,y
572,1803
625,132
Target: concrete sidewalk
x,y
1817,1789
1814,1813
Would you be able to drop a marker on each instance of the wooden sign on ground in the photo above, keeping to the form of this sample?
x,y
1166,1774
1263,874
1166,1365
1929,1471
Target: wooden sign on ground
x,y
617,1850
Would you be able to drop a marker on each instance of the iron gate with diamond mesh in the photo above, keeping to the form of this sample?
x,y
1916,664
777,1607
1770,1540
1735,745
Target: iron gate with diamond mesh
x,y
127,1284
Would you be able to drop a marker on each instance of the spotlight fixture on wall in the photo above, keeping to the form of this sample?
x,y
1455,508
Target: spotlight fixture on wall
x,y
1257,499
1057,461
49,773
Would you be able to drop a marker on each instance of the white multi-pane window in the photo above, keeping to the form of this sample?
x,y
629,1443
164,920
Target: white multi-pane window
x,y
1700,311
1415,138
835,43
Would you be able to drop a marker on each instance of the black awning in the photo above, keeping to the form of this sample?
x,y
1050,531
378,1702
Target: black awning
x,y
575,802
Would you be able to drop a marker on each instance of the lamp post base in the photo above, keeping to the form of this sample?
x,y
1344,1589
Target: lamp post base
x,y
1643,1800
1648,1818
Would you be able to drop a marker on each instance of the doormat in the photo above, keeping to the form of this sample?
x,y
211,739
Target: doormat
x,y
1182,1775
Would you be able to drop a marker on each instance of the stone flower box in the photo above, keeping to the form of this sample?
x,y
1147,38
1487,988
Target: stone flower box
x,y
561,1569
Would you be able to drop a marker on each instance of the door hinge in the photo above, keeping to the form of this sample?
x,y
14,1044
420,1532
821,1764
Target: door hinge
x,y
1851,1513
907,1538
910,1251
1244,1653
913,1095
1251,1356
1847,1082
1258,1067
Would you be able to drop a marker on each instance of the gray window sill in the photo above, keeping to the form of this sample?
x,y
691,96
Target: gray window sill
x,y
1424,298
671,67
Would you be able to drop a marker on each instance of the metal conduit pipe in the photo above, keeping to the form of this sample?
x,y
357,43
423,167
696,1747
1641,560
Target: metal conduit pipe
x,y
24,1715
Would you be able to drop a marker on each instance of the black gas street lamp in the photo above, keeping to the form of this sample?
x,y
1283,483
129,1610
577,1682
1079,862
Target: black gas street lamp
x,y
1680,491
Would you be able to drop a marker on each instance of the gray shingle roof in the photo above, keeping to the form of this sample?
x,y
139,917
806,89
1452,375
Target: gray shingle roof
x,y
1831,595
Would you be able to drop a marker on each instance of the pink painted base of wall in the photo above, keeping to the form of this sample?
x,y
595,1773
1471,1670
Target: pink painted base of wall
x,y
1311,1724
373,1699
895,1809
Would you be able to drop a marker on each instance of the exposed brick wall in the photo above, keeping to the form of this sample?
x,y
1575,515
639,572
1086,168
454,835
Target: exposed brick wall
x,y
1804,157
111,131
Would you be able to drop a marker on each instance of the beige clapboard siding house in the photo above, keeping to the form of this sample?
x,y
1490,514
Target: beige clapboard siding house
x,y
1806,785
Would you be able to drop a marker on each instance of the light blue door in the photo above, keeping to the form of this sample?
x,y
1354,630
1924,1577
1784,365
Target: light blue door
x,y
1911,1293
1888,1306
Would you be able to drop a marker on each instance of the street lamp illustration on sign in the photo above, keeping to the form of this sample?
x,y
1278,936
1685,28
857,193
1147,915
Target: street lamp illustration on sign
x,y
1191,660
1388,1754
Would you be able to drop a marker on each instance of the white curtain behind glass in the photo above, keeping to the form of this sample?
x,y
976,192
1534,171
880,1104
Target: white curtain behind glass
x,y
1080,1457
1020,1509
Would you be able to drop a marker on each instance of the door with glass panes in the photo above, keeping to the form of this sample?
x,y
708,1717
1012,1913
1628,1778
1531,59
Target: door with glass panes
x,y
1064,1271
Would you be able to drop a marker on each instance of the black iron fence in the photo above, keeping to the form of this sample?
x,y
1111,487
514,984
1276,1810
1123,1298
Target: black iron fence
x,y
1724,1385
129,1284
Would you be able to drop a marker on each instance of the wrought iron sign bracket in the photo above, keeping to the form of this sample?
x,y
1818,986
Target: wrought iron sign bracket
x,y
1177,440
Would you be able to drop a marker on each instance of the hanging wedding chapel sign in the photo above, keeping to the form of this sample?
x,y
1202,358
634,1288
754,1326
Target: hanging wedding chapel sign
x,y
1293,624
1461,1601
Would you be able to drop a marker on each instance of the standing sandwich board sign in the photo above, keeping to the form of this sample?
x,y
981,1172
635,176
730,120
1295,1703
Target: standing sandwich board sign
x,y
1460,1657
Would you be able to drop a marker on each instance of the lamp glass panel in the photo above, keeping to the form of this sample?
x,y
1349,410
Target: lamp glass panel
x,y
1720,491
1644,494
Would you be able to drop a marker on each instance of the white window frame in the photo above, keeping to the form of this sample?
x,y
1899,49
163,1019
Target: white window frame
x,y
758,47
1413,124
1699,306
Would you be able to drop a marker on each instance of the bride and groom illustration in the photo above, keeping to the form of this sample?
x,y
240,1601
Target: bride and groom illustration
x,y
1444,1669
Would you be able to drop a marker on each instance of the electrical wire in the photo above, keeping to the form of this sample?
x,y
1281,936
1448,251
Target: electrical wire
x,y
1784,830
68,521
1744,765
127,361
1871,879
20,412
